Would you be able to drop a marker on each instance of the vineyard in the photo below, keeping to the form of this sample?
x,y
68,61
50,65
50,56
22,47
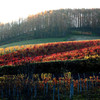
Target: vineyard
x,y
58,51
48,87
51,55
43,71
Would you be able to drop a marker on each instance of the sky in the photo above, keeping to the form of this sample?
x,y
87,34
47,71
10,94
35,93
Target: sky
x,y
12,10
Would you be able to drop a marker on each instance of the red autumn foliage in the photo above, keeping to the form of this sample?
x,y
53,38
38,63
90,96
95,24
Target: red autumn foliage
x,y
51,52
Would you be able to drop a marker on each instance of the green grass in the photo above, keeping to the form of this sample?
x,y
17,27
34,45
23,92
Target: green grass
x,y
48,40
35,41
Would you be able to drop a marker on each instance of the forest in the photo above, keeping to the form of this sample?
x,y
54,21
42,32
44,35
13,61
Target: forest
x,y
52,23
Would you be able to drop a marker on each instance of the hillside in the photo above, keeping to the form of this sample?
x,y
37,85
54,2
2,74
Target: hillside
x,y
55,57
51,52
48,40
52,24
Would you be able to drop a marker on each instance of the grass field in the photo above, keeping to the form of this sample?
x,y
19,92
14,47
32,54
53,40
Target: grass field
x,y
48,40
35,41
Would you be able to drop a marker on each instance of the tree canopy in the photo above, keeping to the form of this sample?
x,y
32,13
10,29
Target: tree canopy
x,y
52,23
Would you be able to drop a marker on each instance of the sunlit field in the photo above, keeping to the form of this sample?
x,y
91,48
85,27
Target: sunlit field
x,y
18,55
49,40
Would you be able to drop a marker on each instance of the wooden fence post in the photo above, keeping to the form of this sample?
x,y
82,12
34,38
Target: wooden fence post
x,y
6,91
14,91
35,90
17,94
28,91
78,87
53,91
9,91
2,94
58,92
46,88
31,93
78,76
87,85
84,85
71,89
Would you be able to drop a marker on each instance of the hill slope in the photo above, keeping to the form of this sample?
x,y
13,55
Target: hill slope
x,y
48,40
52,52
51,24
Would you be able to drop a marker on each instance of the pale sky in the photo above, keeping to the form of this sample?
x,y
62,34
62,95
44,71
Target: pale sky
x,y
15,9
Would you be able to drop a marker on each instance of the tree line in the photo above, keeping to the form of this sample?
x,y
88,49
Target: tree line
x,y
52,23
